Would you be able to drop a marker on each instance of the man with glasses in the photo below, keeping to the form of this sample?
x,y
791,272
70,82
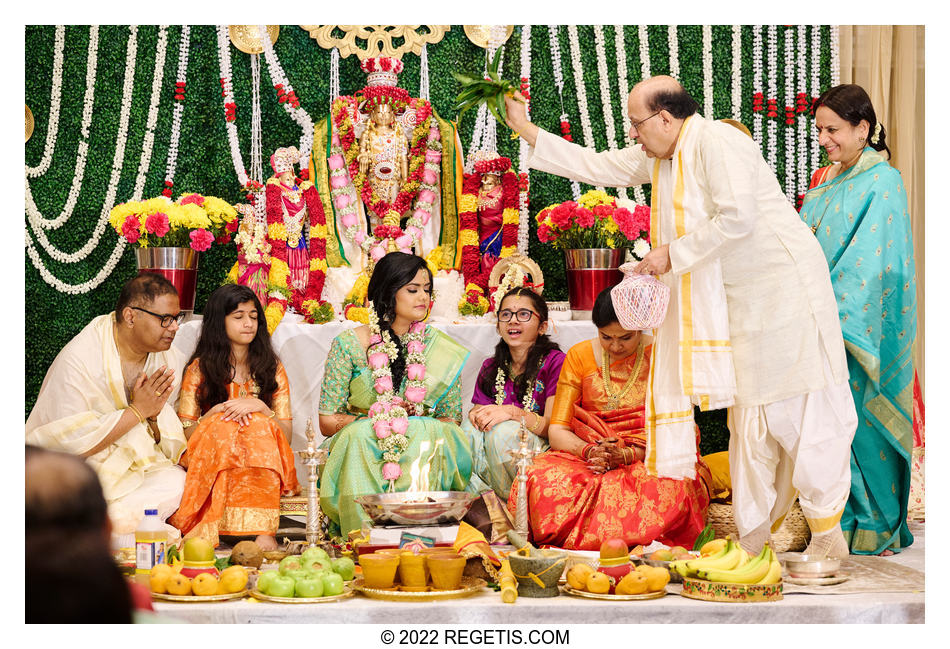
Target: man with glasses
x,y
109,397
752,322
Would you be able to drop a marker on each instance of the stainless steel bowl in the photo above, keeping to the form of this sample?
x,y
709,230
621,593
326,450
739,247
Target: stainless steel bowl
x,y
422,508
804,566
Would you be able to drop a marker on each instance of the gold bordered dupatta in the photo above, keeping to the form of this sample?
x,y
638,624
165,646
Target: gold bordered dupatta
x,y
691,362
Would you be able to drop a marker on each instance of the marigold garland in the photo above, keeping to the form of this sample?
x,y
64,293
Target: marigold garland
x,y
468,240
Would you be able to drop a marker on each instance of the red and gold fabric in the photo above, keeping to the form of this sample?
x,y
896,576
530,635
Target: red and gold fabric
x,y
236,474
571,507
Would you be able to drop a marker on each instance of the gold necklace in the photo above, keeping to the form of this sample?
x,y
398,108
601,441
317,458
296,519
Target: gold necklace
x,y
844,176
613,400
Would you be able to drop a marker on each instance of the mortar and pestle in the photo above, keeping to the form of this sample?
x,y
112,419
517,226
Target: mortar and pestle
x,y
537,571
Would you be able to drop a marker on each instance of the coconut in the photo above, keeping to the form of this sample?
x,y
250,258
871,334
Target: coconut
x,y
247,553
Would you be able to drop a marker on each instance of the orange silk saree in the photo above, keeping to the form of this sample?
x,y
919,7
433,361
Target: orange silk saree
x,y
236,474
571,507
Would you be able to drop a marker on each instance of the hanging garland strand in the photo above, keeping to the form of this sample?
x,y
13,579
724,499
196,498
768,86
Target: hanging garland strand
x,y
181,78
56,89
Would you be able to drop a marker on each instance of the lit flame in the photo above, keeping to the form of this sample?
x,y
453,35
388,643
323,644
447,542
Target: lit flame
x,y
419,471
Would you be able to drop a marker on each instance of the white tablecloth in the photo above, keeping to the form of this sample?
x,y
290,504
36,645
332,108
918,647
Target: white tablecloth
x,y
303,350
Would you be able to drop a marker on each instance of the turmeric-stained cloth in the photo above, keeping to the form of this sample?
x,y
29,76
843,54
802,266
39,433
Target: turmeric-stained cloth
x,y
569,506
236,474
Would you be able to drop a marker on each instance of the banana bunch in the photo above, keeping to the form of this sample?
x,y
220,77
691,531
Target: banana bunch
x,y
764,568
491,91
730,557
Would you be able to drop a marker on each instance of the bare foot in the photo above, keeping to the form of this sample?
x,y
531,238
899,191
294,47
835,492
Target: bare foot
x,y
886,553
266,541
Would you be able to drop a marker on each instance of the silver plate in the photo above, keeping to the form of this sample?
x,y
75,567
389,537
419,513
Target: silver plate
x,y
424,508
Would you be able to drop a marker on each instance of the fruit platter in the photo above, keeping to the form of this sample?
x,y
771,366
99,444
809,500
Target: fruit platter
x,y
731,575
194,577
308,578
615,577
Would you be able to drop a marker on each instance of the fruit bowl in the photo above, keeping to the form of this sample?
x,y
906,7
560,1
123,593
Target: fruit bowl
x,y
714,591
424,508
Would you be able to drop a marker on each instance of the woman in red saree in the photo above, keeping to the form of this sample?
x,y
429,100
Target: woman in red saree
x,y
235,406
592,485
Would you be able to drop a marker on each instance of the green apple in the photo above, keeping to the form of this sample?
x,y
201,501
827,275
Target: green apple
x,y
315,553
281,586
332,584
314,564
290,563
264,580
344,567
197,549
297,574
309,587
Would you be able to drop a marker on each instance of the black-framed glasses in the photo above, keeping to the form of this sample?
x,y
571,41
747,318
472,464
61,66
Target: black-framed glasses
x,y
523,315
166,318
637,125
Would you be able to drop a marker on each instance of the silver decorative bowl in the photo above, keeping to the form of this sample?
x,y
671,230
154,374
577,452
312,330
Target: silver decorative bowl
x,y
806,566
421,508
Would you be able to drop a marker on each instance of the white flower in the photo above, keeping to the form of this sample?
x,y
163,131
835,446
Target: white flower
x,y
640,248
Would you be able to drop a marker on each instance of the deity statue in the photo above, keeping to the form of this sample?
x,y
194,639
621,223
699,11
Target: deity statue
x,y
296,233
386,165
488,217
253,263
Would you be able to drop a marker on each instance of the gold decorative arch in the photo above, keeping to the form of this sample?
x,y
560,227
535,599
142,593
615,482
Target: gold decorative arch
x,y
247,39
366,41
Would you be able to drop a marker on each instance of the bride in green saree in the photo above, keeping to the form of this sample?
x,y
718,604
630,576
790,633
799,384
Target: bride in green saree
x,y
391,399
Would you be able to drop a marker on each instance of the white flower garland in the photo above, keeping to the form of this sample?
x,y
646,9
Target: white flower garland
x,y
257,167
527,404
55,94
757,82
610,124
181,78
334,74
227,97
559,82
815,70
789,73
707,73
737,72
579,84
772,125
644,38
802,119
674,47
524,215
835,56
424,73
83,149
623,76
148,142
299,115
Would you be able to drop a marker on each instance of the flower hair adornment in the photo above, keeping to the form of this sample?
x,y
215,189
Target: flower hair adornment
x,y
488,162
284,159
877,134
398,98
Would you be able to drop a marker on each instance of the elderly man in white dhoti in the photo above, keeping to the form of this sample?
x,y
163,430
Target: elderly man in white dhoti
x,y
752,323
109,397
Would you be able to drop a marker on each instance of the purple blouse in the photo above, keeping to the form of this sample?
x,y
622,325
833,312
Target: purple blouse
x,y
545,385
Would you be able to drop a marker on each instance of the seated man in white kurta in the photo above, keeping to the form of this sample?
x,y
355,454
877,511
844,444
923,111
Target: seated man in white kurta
x,y
109,397
752,321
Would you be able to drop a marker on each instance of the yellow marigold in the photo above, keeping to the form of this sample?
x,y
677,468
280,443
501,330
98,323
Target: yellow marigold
x,y
232,277
119,213
507,251
358,292
469,203
318,264
319,231
279,270
468,238
274,313
154,205
510,215
219,210
358,314
189,216
434,260
277,231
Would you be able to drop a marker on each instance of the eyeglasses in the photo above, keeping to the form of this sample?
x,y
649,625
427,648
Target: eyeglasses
x,y
524,315
166,319
637,125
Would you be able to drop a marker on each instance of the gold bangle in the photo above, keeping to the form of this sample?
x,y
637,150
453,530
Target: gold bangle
x,y
135,411
537,422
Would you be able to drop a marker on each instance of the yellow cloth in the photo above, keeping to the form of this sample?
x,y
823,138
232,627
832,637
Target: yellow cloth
x,y
721,486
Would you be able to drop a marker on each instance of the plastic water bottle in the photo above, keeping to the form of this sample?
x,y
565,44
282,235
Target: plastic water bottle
x,y
151,539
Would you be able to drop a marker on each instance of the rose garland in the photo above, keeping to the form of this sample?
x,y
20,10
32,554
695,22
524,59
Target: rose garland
x,y
578,69
674,48
737,72
181,77
390,413
309,302
707,73
83,150
55,96
421,185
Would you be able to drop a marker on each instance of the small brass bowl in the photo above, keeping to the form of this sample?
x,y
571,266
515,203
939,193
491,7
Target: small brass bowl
x,y
804,566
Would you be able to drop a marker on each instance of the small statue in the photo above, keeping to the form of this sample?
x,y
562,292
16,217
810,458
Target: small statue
x,y
384,150
253,263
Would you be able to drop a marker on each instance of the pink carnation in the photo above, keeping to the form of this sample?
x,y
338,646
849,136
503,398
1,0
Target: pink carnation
x,y
561,216
130,228
383,384
200,240
415,394
157,224
416,371
584,217
601,211
545,235
197,199
382,428
391,471
399,425
641,218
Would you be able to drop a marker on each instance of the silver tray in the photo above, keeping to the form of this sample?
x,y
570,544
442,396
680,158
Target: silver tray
x,y
424,508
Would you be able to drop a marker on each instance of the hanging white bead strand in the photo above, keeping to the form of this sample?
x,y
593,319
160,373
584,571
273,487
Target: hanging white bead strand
x,y
257,172
423,73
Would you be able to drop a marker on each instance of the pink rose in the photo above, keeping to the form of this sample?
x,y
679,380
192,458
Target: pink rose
x,y
415,394
426,196
434,133
383,384
341,201
378,360
433,156
130,228
382,428
404,241
407,251
425,218
416,371
428,177
349,219
359,237
375,339
418,214
413,232
157,224
200,240
391,471
417,327
378,407
337,181
415,347
399,425
377,252
335,161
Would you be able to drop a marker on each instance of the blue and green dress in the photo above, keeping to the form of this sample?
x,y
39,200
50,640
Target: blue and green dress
x,y
864,228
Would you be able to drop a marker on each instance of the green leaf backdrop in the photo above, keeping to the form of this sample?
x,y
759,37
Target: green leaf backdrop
x,y
204,163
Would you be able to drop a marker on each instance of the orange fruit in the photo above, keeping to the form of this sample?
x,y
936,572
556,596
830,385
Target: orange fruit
x,y
633,583
577,576
598,582
178,584
204,584
657,579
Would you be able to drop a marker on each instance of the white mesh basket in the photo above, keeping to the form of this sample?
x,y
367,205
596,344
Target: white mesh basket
x,y
639,301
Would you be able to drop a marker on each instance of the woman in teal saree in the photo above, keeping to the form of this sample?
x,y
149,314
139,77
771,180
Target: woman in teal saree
x,y
371,452
858,211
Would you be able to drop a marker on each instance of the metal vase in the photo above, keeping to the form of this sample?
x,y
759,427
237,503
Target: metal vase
x,y
178,265
589,271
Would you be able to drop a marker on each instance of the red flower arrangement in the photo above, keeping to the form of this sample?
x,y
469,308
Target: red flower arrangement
x,y
595,221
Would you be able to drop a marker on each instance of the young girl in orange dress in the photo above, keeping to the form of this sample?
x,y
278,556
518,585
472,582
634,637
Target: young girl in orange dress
x,y
235,406
592,485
